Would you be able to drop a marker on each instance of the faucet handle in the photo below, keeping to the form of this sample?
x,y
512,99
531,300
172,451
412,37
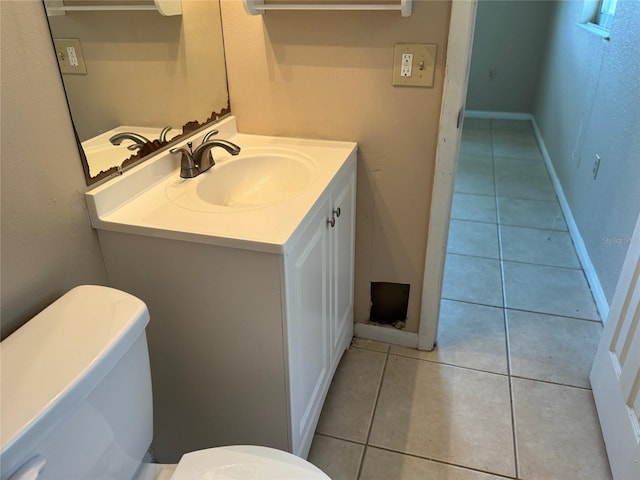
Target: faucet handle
x,y
188,168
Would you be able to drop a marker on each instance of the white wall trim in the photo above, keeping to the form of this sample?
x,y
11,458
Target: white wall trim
x,y
578,242
498,115
387,334
458,63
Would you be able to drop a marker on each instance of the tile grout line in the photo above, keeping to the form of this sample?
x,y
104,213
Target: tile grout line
x,y
521,262
504,319
335,437
549,314
489,372
453,365
444,462
548,382
373,412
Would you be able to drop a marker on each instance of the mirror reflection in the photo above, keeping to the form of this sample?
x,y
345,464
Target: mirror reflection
x,y
144,72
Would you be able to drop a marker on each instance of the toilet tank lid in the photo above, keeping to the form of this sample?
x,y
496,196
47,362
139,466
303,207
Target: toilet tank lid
x,y
63,352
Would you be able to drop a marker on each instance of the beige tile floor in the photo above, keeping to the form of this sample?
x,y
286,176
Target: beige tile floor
x,y
506,393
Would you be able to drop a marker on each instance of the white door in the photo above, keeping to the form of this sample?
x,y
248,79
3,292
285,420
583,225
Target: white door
x,y
343,237
308,310
615,375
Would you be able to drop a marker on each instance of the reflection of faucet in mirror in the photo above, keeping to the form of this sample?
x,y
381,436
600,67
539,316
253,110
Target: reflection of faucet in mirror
x,y
191,164
139,140
163,134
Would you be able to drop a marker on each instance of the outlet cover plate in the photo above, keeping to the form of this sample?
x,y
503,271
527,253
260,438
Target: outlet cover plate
x,y
70,61
422,74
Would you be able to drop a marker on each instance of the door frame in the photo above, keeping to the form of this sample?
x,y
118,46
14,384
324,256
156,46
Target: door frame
x,y
458,62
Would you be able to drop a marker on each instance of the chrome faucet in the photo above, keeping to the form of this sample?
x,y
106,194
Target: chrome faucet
x,y
195,162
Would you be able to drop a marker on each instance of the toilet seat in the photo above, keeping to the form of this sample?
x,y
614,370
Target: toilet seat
x,y
245,462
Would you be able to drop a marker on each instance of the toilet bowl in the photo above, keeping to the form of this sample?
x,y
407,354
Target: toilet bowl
x,y
76,401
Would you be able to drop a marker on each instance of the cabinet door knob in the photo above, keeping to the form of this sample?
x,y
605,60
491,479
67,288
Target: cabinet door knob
x,y
332,222
337,212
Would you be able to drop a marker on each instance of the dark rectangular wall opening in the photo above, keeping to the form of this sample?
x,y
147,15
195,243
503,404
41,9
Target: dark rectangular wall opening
x,y
389,302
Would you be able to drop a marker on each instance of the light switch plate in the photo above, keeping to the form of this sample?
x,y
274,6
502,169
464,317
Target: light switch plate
x,y
422,69
70,58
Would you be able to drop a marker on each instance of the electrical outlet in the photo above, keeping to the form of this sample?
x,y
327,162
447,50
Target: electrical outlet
x,y
596,166
407,65
414,64
70,58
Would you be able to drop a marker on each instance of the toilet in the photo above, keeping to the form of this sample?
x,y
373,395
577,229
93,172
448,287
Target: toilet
x,y
76,401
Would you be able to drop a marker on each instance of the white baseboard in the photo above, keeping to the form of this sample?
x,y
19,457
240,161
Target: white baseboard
x,y
497,115
578,242
381,333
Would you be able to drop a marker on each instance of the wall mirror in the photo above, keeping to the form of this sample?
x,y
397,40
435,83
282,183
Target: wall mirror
x,y
145,70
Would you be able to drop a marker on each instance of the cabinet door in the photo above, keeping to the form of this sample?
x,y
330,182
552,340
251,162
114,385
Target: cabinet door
x,y
308,313
342,253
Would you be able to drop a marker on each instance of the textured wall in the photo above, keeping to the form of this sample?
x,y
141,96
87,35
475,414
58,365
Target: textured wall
x,y
48,245
589,103
510,39
328,75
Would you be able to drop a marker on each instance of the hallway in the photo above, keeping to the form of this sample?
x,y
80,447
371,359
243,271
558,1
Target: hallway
x,y
506,393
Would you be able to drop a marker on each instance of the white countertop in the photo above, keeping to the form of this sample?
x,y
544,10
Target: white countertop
x,y
137,201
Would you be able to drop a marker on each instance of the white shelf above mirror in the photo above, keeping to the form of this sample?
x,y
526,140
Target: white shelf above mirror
x,y
259,7
164,7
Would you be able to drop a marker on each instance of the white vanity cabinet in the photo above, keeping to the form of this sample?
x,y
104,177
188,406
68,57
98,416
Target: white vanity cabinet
x,y
245,335
319,271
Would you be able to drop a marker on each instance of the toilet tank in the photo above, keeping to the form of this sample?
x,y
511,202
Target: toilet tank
x,y
75,388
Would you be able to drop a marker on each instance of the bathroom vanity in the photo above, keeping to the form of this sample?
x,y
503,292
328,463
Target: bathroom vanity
x,y
247,271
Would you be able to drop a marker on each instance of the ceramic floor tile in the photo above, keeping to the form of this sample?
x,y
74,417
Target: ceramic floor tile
x,y
512,126
476,142
515,144
531,213
550,348
384,465
473,238
469,335
513,166
557,433
348,409
472,279
370,344
475,164
514,148
523,178
525,187
532,245
553,290
478,208
339,459
474,174
475,183
477,124
445,413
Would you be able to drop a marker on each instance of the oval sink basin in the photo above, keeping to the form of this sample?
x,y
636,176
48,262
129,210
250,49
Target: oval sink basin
x,y
255,178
